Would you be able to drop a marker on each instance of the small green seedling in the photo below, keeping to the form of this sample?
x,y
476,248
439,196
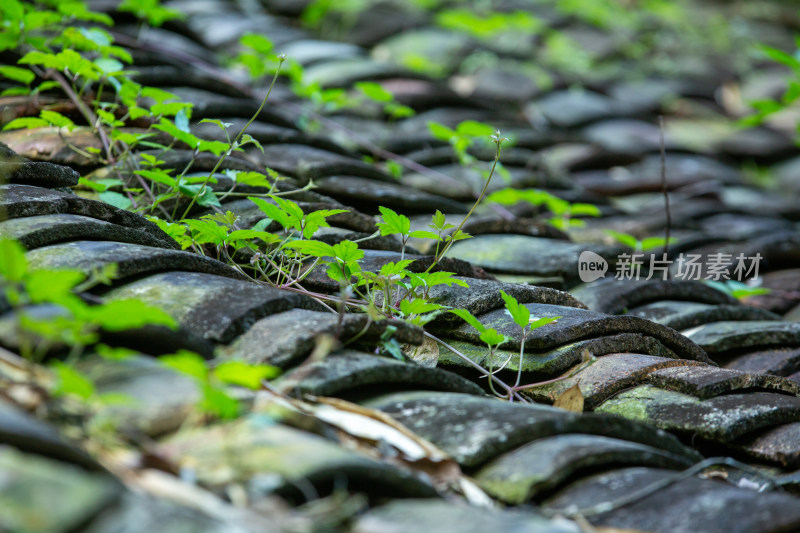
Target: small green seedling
x,y
737,289
648,243
522,318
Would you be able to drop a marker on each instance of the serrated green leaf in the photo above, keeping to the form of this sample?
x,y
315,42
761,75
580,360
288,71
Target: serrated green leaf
x,y
312,248
288,206
242,234
347,251
116,199
492,338
469,318
395,268
275,213
418,307
247,139
392,223
519,313
207,231
438,220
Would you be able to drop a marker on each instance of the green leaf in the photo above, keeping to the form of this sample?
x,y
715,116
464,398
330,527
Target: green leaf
x,y
207,231
584,209
438,221
71,382
16,91
116,199
13,264
654,242
392,223
519,313
207,198
244,374
424,235
157,94
539,322
374,91
21,75
158,176
440,131
289,207
221,125
169,128
347,251
26,122
473,128
243,234
432,279
492,338
108,65
275,213
248,139
395,269
312,248
251,179
628,240
469,318
217,402
57,119
98,187
52,285
417,307
186,362
257,42
780,56
119,315
12,10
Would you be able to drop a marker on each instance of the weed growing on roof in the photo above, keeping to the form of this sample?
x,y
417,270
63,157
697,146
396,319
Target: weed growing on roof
x,y
93,73
643,245
560,213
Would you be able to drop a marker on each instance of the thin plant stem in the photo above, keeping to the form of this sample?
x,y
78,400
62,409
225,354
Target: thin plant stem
x,y
663,146
447,246
235,142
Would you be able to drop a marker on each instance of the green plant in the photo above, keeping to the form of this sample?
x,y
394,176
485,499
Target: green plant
x,y
215,399
76,324
648,243
768,106
563,211
493,339
737,289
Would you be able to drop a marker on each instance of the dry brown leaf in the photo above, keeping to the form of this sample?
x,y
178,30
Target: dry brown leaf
x,y
571,399
373,432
